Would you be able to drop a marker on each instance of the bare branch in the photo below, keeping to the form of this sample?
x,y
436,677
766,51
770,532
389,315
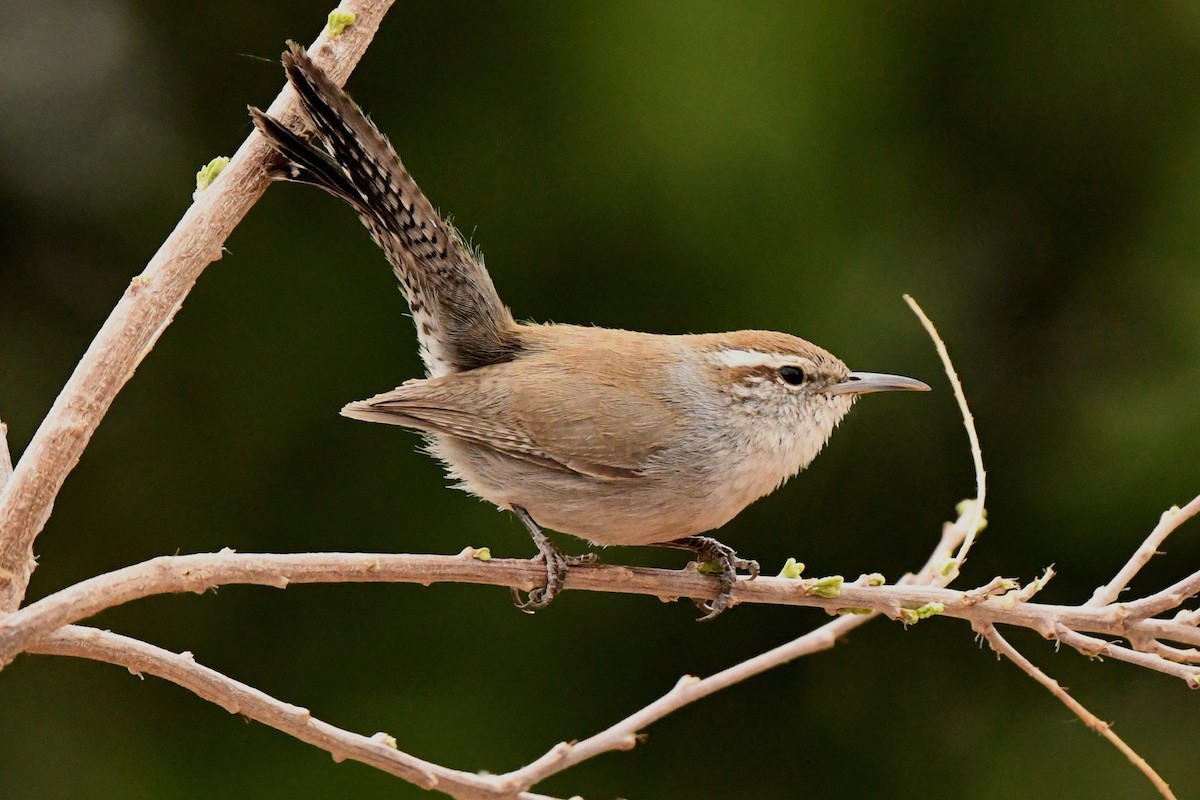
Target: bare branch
x,y
1170,520
198,573
143,313
1188,655
238,698
1095,648
972,516
1171,597
1002,647
689,689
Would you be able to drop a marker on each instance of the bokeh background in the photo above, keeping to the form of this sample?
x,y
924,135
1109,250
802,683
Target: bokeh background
x,y
1028,171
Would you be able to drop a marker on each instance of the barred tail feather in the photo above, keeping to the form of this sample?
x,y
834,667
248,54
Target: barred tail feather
x,y
304,162
461,323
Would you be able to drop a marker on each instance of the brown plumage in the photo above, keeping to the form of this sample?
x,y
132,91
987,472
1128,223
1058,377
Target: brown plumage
x,y
614,436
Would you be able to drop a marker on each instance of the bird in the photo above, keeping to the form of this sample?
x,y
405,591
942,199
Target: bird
x,y
616,437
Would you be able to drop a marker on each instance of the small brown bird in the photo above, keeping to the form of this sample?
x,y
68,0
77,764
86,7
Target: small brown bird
x,y
613,436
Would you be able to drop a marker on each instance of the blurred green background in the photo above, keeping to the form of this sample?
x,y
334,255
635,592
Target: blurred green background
x,y
1026,170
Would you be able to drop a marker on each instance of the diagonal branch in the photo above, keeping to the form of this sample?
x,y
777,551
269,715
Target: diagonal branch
x,y
143,313
237,698
1164,600
624,734
1170,520
1002,647
689,689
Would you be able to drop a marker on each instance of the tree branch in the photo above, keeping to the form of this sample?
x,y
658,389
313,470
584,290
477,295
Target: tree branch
x,y
237,698
1002,647
143,313
973,517
201,572
1165,600
1092,647
1170,520
624,734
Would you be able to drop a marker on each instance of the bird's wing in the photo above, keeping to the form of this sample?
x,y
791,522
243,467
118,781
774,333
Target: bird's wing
x,y
555,417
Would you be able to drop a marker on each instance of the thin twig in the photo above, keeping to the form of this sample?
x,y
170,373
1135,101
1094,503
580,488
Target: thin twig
x,y
1170,520
1002,647
974,512
1189,655
238,698
1171,597
143,313
972,519
1096,648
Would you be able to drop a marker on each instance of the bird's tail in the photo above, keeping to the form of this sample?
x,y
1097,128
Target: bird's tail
x,y
461,323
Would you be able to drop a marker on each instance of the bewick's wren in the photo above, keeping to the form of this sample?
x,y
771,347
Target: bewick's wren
x,y
613,436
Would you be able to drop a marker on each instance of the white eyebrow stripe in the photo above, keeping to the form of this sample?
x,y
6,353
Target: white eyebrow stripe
x,y
754,358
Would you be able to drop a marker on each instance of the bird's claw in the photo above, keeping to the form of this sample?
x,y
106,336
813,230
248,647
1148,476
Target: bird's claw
x,y
727,564
556,562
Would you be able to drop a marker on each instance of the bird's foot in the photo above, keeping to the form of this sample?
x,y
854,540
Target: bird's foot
x,y
726,564
556,562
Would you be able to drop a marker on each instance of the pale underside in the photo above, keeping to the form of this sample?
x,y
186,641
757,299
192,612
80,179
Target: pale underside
x,y
589,441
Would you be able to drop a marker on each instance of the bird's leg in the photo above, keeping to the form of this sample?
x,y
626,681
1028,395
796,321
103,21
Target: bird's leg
x,y
726,558
556,566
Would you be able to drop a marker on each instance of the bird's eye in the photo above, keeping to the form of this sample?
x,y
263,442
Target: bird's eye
x,y
792,375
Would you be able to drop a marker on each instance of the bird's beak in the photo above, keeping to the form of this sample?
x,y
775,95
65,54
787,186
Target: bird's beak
x,y
867,382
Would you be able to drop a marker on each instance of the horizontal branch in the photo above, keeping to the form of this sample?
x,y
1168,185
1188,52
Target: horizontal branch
x,y
1098,648
198,573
